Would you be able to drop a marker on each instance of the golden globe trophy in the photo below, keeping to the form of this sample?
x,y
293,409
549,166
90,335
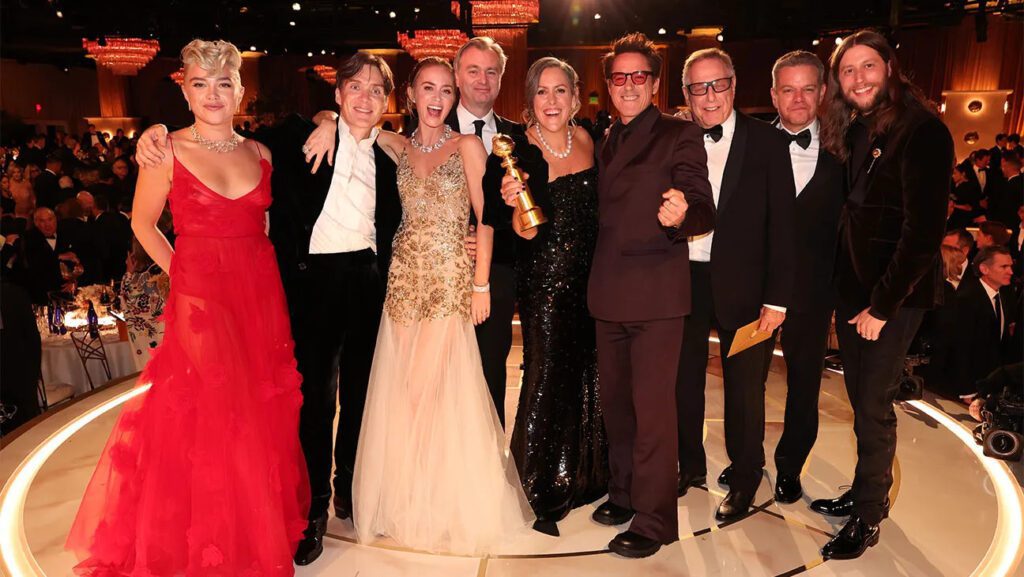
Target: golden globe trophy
x,y
530,215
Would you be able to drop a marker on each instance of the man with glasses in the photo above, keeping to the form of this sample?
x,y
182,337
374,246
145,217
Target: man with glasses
x,y
742,272
653,193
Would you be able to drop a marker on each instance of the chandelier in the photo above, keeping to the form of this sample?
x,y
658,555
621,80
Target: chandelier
x,y
422,43
123,56
178,76
328,74
505,13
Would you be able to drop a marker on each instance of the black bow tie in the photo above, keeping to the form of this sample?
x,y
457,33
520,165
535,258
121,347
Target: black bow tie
x,y
715,132
803,138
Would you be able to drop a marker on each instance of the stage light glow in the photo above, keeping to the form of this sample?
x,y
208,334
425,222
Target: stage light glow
x,y
662,31
296,6
291,23
597,16
720,37
815,42
392,14
15,556
839,40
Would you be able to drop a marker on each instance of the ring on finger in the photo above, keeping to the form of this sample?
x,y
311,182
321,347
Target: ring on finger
x,y
305,149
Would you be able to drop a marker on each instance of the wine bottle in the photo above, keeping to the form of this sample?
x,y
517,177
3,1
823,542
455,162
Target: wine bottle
x,y
94,321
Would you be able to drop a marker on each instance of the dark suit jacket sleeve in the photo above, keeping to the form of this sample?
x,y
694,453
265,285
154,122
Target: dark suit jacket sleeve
x,y
782,224
925,172
690,175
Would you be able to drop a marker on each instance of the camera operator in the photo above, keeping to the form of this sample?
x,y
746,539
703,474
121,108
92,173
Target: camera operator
x,y
1006,376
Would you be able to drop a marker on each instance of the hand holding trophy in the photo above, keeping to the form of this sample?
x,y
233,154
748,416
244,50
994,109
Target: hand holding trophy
x,y
530,215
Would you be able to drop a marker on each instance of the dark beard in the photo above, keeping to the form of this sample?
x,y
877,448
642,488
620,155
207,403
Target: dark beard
x,y
880,97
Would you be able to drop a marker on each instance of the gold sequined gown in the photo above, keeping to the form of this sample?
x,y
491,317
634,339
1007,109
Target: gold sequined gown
x,y
431,471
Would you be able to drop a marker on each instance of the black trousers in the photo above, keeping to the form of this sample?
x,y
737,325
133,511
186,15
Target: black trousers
x,y
637,362
872,370
744,376
336,312
804,344
494,336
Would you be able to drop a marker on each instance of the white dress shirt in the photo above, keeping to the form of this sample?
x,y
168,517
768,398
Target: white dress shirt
x,y
981,177
718,154
804,161
992,294
346,222
466,126
1020,238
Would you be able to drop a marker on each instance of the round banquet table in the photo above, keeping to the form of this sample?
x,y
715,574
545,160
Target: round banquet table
x,y
61,363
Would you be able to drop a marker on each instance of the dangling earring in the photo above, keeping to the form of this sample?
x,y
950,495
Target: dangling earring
x,y
189,104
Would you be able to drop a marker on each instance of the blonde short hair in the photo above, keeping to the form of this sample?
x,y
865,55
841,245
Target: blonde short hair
x,y
213,55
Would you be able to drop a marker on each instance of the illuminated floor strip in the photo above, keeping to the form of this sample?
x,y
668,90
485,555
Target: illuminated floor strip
x,y
15,556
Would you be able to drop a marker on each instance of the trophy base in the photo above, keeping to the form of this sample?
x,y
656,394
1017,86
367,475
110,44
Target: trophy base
x,y
531,219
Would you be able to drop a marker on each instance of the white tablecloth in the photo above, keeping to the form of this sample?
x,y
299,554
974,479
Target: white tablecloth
x,y
62,365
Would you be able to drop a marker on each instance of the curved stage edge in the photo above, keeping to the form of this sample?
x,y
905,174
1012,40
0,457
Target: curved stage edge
x,y
955,512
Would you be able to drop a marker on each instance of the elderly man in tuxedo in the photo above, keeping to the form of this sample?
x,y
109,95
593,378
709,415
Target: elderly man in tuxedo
x,y
653,193
742,272
798,88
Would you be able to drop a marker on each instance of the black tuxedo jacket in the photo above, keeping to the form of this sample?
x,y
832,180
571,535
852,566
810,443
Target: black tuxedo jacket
x,y
41,263
967,192
817,221
114,241
1004,200
753,254
497,214
641,269
889,243
978,348
991,176
299,197
47,189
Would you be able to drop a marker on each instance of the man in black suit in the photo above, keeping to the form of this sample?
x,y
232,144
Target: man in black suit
x,y
976,168
113,233
967,209
47,184
332,229
1008,193
898,157
742,272
91,138
798,88
479,65
984,311
653,194
43,248
998,150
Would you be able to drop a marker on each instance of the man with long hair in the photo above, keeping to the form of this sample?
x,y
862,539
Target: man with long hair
x,y
898,157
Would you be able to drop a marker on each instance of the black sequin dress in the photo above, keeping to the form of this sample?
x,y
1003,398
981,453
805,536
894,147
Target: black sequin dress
x,y
559,443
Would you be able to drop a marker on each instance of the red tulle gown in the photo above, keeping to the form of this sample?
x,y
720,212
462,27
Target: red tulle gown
x,y
204,475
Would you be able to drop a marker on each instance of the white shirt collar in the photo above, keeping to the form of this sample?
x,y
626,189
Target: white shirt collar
x,y
991,292
345,132
466,117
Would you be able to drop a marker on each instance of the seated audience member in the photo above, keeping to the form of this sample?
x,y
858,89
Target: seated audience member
x,y
74,224
961,240
87,203
966,199
19,358
143,291
124,178
992,233
42,248
1009,193
985,307
938,328
113,238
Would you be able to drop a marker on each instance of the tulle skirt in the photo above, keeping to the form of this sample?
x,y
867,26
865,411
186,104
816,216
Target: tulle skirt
x,y
431,471
204,475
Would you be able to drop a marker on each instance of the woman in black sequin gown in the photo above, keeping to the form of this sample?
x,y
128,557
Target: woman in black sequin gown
x,y
558,442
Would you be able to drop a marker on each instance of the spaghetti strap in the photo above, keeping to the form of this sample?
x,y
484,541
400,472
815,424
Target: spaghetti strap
x,y
170,142
258,151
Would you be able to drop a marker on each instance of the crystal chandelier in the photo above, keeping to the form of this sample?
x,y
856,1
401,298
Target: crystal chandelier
x,y
505,13
123,56
328,74
422,43
178,76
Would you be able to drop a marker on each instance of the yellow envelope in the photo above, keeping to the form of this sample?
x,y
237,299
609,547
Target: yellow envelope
x,y
747,336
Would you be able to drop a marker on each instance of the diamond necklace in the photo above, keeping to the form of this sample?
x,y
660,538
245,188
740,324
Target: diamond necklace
x,y
568,145
436,146
216,145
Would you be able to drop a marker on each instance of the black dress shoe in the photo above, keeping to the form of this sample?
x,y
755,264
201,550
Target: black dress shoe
x,y
723,479
546,527
788,489
312,544
611,514
634,545
687,480
852,541
842,506
735,505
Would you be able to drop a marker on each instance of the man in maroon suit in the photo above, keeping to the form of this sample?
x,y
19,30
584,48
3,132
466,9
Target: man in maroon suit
x,y
653,193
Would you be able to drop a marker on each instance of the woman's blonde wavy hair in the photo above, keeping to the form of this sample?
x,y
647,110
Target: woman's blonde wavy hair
x,y
213,55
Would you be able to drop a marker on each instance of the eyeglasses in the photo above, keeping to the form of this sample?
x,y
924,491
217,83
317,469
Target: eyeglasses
x,y
701,88
639,77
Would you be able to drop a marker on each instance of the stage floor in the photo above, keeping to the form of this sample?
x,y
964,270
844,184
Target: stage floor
x,y
954,512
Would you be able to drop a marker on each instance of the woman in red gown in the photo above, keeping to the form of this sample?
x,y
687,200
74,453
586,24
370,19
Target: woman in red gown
x,y
204,475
